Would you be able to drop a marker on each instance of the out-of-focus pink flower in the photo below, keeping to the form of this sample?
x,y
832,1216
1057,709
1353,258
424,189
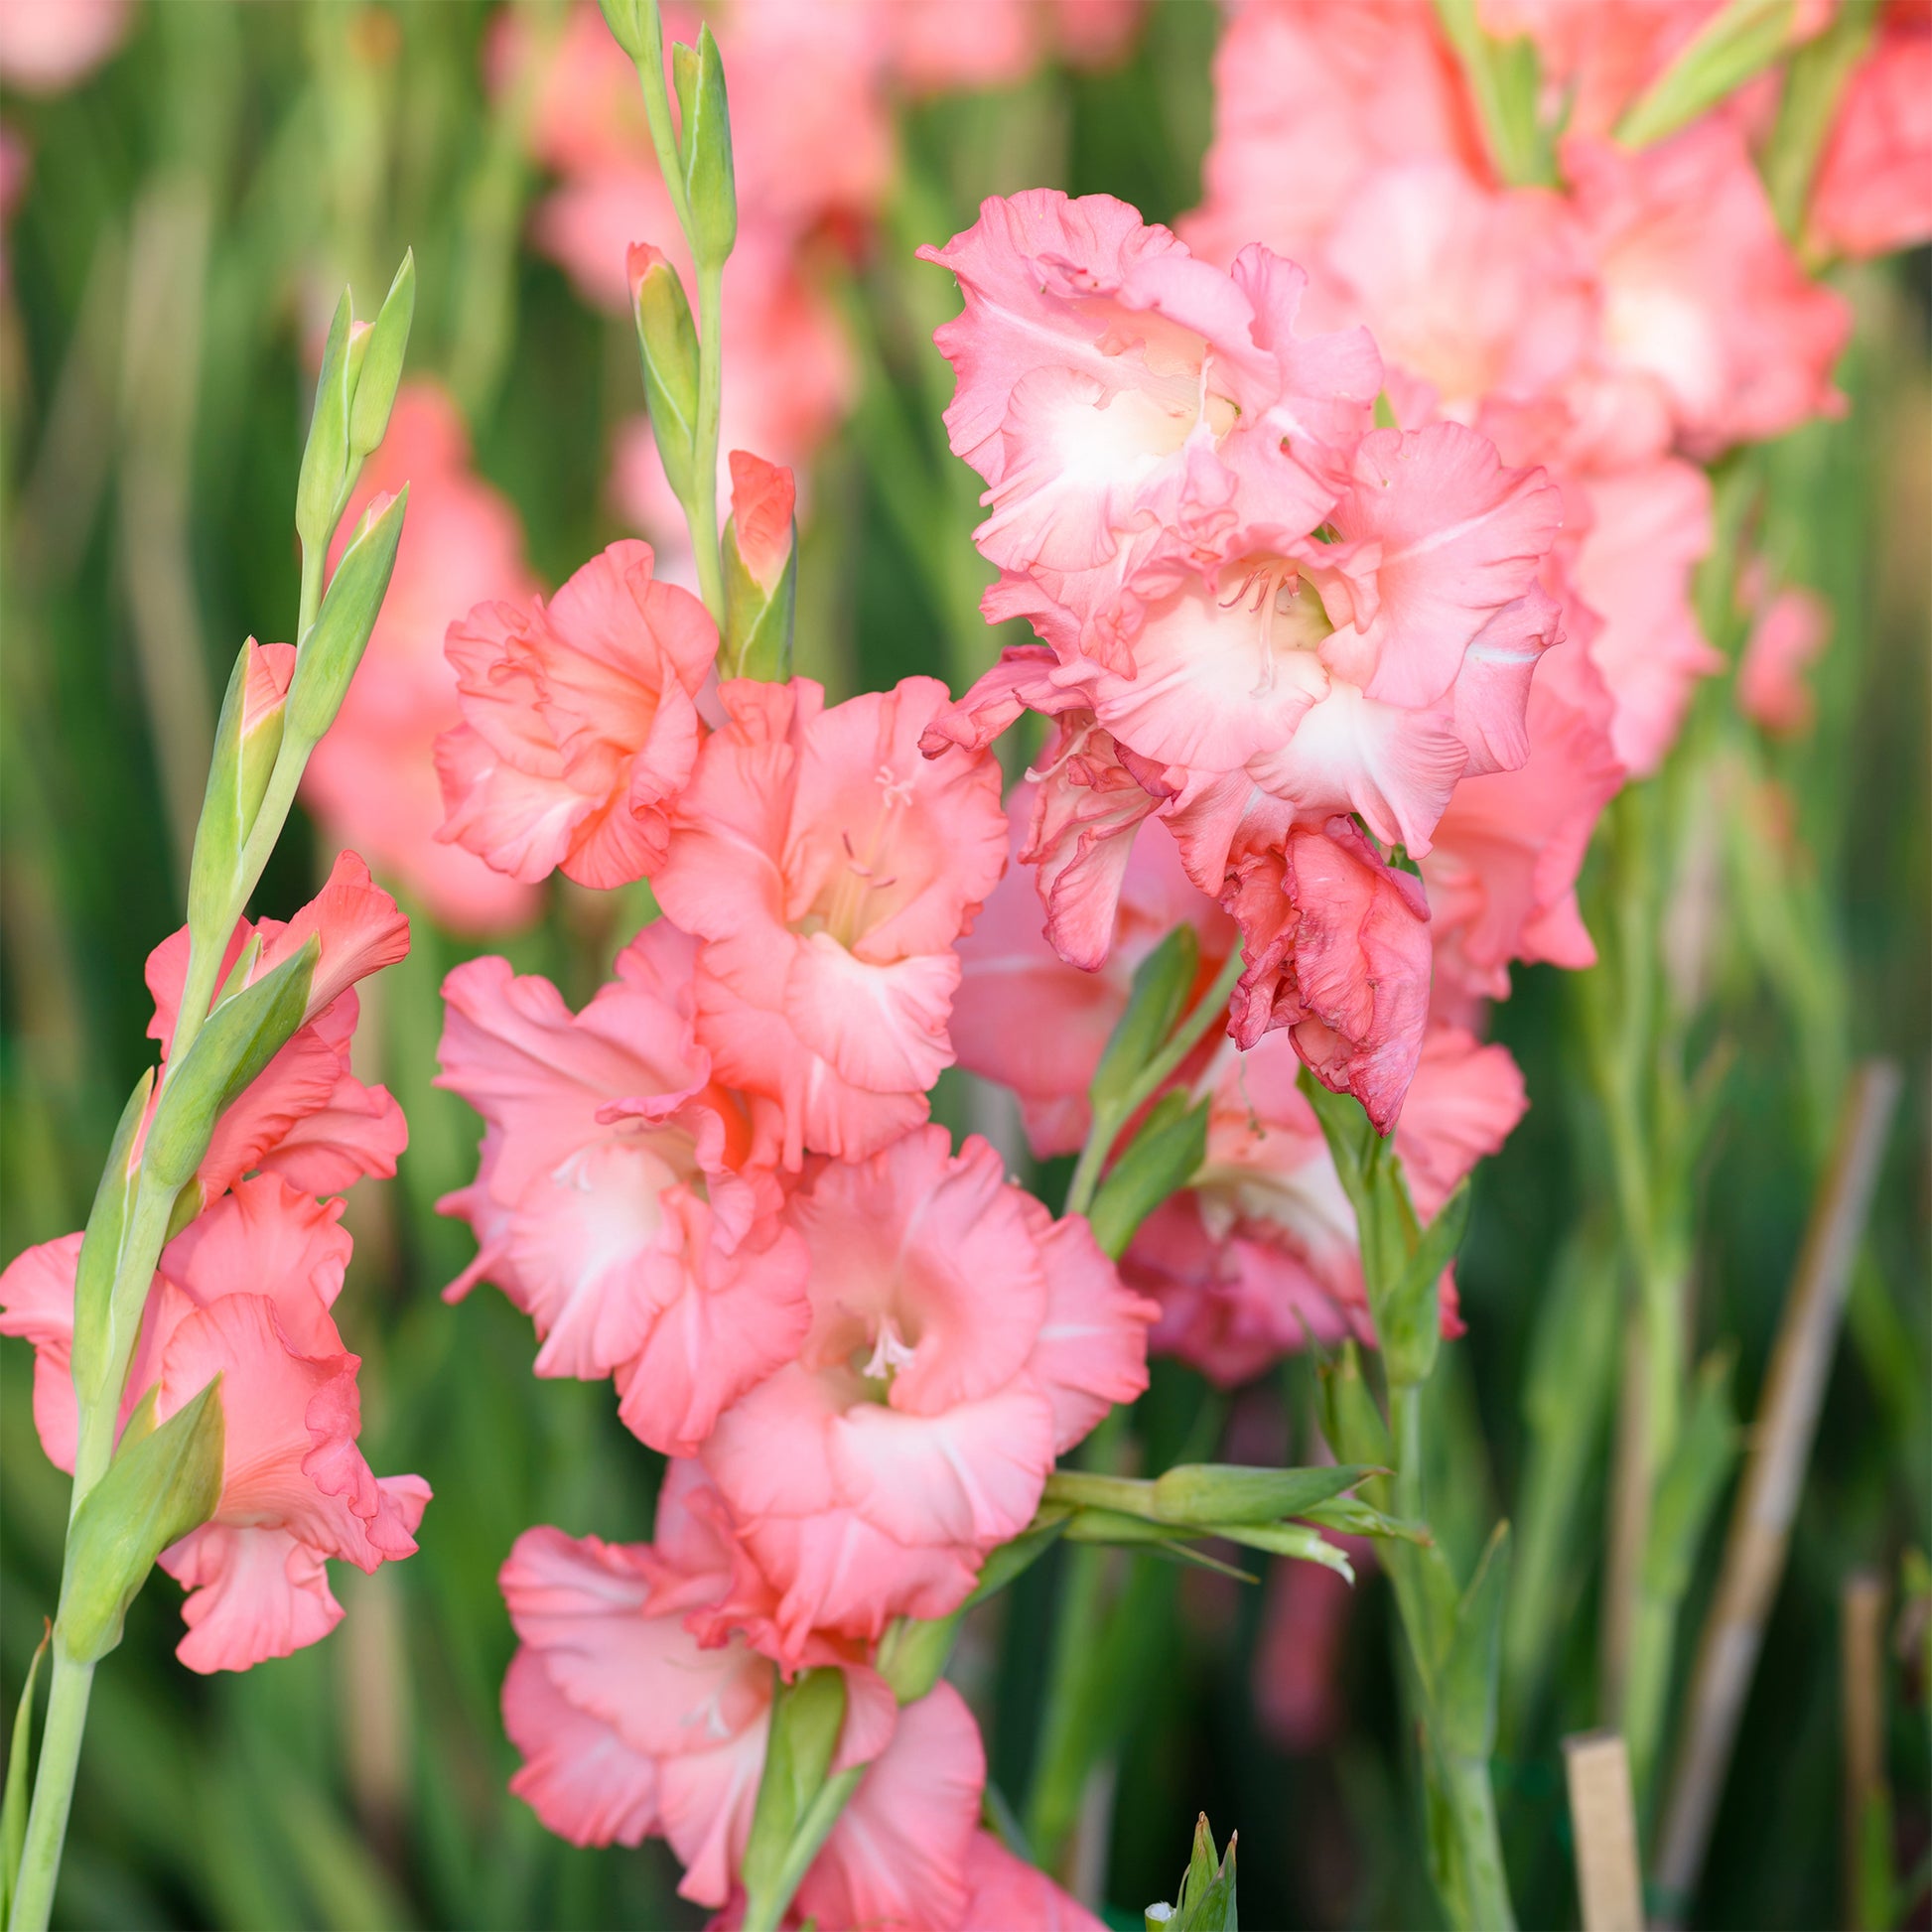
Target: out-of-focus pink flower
x,y
1501,876
1336,943
1308,100
1261,1250
1873,192
1703,296
1005,1893
372,778
1025,1017
45,46
630,1728
829,868
305,1116
625,1200
579,726
1792,630
961,1340
936,46
1649,527
1298,1656
243,1293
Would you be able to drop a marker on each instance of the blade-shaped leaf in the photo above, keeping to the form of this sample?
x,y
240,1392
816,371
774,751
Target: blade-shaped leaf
x,y
13,1809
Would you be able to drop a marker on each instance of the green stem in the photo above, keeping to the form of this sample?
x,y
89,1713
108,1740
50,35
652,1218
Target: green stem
x,y
764,1910
701,514
1154,1076
47,1821
1405,1417
1483,1904
310,602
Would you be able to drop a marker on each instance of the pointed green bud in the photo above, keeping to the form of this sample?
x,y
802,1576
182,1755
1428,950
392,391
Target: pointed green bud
x,y
667,343
163,1482
761,547
1207,1493
639,28
333,648
239,1038
247,742
100,1248
382,348
1161,982
1206,1900
912,1654
706,146
319,488
1164,1156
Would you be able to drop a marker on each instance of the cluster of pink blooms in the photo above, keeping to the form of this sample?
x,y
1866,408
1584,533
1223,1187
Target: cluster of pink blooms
x,y
716,1186
814,91
245,1289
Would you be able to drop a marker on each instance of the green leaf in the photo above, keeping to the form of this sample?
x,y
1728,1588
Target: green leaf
x,y
1162,1157
667,347
1157,999
1010,1558
1466,1684
1408,1317
328,656
1351,1423
706,144
1733,46
13,1809
167,1483
1295,1540
100,1248
242,1035
1219,1492
806,1716
383,349
324,458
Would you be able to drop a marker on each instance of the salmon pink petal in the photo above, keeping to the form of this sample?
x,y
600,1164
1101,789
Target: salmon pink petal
x,y
1464,1103
253,1592
1004,1892
36,1304
578,1775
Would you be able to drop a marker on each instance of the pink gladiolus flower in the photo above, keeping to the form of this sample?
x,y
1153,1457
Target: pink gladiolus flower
x,y
936,47
829,868
1873,192
1501,875
1024,1017
45,46
1703,296
243,1293
1261,1250
1792,630
579,722
306,1116
961,1340
628,1728
372,778
1005,1893
625,1200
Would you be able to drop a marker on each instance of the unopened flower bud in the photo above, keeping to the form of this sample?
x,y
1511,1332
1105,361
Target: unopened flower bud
x,y
333,649
668,344
378,370
705,143
247,742
761,568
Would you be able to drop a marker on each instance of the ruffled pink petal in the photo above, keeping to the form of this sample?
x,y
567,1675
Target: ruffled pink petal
x,y
578,1775
36,1304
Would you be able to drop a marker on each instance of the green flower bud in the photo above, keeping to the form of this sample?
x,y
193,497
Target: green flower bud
x,y
761,551
378,373
247,742
706,147
668,346
319,488
330,652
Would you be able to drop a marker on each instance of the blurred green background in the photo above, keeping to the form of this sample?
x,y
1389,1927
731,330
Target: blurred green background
x,y
191,210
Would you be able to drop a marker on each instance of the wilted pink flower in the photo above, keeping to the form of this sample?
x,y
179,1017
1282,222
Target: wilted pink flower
x,y
45,46
829,868
625,1200
961,1340
1873,192
372,778
1501,875
1261,1250
1702,297
243,1293
305,1116
629,1729
579,726
1790,632
1336,943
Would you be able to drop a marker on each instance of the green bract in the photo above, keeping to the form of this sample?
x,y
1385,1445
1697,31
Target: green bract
x,y
330,654
668,346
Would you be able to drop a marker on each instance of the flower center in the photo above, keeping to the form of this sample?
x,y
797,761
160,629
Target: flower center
x,y
850,906
890,1352
1289,616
